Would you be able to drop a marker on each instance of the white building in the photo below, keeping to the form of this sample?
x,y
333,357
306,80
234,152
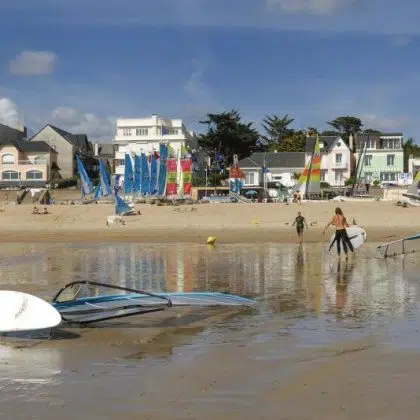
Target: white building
x,y
413,165
143,135
336,159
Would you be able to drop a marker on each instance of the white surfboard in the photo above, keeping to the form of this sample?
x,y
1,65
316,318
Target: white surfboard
x,y
24,312
357,237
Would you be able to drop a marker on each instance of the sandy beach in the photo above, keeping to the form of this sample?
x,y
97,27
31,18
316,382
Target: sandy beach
x,y
230,223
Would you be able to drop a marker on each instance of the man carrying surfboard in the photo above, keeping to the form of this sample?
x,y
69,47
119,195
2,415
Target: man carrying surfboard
x,y
340,223
300,222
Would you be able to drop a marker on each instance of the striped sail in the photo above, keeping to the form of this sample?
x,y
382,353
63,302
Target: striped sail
x,y
87,186
314,182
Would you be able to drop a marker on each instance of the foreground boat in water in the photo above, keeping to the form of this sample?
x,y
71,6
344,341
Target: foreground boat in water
x,y
85,302
403,246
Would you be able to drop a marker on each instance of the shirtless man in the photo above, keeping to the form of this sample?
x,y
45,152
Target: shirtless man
x,y
300,222
340,223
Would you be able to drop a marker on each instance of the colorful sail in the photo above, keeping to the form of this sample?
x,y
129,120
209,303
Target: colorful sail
x,y
128,175
137,174
186,177
163,153
86,183
314,182
171,174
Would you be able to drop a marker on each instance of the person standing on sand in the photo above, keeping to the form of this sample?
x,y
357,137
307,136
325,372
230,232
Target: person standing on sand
x,y
340,223
300,222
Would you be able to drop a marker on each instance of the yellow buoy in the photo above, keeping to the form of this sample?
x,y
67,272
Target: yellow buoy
x,y
211,240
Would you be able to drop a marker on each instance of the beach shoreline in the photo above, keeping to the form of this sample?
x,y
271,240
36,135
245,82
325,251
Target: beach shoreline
x,y
229,223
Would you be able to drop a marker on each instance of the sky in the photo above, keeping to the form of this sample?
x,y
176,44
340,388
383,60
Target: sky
x,y
82,64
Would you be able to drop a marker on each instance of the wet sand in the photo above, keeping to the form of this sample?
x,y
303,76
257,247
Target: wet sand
x,y
230,223
329,339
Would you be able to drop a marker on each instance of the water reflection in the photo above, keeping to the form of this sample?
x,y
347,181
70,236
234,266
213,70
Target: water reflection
x,y
300,279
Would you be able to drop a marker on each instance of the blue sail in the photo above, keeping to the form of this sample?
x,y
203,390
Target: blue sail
x,y
163,152
145,176
153,174
137,174
121,207
87,186
98,192
104,183
128,175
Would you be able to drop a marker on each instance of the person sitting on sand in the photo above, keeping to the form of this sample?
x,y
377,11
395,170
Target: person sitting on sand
x,y
45,211
300,223
340,223
35,210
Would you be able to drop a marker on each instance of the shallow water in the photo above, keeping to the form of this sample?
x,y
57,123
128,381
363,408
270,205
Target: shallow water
x,y
207,363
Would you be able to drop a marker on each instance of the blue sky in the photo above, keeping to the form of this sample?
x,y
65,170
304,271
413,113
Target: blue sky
x,y
84,63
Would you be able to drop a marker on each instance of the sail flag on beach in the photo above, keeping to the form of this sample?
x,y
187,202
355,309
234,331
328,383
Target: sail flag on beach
x,y
121,207
163,154
86,183
137,174
314,181
186,177
104,182
153,174
145,175
128,175
171,174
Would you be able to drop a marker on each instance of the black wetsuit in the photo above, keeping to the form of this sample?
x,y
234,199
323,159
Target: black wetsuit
x,y
341,235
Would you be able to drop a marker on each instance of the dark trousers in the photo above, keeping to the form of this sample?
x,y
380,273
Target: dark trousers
x,y
341,235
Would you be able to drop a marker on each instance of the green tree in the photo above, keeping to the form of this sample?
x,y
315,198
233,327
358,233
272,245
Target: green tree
x,y
227,135
276,129
295,142
371,131
347,125
410,148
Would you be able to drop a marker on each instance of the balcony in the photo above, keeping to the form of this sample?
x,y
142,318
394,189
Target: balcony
x,y
31,162
339,165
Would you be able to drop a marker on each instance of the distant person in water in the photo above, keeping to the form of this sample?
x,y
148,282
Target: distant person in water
x,y
340,223
300,223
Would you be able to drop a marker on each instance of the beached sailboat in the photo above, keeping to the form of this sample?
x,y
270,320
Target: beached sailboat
x,y
85,302
413,191
86,186
309,183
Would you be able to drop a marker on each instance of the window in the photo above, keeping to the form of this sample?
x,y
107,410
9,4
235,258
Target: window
x,y
173,131
126,131
8,159
249,178
368,176
338,177
10,175
323,174
368,160
40,159
338,158
142,131
121,162
33,175
388,176
390,160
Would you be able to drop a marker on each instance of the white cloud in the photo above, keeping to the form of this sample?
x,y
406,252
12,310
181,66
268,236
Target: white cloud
x,y
384,123
9,113
321,7
33,63
78,122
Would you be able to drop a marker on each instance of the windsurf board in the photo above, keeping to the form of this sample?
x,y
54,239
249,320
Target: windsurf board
x,y
357,236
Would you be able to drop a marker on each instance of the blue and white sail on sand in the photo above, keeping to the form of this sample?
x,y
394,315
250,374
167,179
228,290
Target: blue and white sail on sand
x,y
86,302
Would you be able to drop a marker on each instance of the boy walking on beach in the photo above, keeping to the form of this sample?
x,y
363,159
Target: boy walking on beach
x,y
300,222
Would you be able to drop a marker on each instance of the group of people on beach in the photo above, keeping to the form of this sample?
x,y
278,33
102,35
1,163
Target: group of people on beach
x,y
340,223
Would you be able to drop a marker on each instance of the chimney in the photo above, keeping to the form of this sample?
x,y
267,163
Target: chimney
x,y
351,140
96,149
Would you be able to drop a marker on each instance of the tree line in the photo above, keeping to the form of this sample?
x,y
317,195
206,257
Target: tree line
x,y
227,134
